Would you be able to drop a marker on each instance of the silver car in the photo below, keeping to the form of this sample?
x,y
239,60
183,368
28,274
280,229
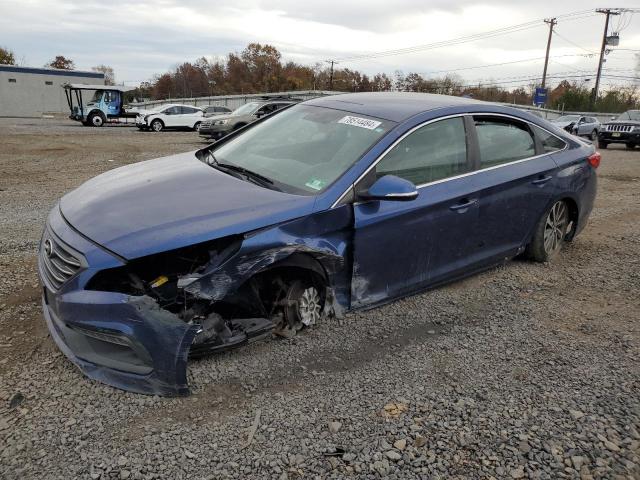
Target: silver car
x,y
580,125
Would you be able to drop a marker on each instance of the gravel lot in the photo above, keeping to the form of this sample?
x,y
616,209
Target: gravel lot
x,y
525,371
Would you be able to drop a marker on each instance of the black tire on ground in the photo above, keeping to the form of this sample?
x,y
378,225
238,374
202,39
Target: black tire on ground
x,y
196,127
550,233
96,119
603,145
631,146
157,125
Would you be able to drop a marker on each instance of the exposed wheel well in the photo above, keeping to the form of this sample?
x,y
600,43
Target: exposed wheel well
x,y
574,215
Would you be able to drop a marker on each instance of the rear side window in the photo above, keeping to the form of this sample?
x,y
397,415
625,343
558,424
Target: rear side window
x,y
436,151
550,143
189,110
503,141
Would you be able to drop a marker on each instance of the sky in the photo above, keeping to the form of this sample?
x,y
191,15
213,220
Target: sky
x,y
142,38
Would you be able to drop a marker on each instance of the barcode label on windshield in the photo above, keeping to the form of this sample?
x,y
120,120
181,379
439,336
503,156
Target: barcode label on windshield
x,y
359,122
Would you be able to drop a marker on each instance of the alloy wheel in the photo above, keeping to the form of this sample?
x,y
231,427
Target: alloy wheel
x,y
310,306
555,228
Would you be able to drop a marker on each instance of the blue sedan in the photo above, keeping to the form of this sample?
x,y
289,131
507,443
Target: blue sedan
x,y
330,205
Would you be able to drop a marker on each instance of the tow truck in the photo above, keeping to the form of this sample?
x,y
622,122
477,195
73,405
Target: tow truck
x,y
106,103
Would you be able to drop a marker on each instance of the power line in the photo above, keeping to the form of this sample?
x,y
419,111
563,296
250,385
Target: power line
x,y
466,39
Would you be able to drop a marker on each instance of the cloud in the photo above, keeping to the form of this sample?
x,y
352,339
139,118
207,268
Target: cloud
x,y
146,37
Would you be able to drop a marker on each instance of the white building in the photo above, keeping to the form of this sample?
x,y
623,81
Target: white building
x,y
31,92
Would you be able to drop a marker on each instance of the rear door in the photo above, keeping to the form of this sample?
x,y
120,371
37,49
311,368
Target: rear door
x,y
400,247
514,182
189,116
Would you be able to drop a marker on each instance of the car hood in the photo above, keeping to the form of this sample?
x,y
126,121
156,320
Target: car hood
x,y
172,202
563,124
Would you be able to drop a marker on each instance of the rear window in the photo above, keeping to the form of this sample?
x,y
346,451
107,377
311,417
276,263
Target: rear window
x,y
550,143
503,141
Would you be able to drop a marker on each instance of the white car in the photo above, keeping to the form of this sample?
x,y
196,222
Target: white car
x,y
170,116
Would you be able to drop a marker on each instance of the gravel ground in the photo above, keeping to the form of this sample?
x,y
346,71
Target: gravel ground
x,y
525,371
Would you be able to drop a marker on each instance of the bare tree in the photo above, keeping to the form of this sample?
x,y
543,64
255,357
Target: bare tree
x,y
109,76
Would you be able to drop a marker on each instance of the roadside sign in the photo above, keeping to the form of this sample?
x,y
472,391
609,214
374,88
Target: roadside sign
x,y
540,98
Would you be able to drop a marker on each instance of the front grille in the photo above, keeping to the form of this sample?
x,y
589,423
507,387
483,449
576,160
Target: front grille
x,y
206,123
59,263
619,128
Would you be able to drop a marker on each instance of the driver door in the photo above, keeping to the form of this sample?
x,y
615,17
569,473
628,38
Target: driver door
x,y
400,247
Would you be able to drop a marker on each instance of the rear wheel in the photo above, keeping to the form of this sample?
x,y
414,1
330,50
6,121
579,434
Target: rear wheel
x,y
196,127
550,233
157,125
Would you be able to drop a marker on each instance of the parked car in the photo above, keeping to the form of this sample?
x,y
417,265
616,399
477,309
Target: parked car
x,y
579,125
335,204
219,126
170,116
212,110
623,129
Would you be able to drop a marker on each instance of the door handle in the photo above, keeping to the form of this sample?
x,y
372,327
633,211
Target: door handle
x,y
465,203
542,180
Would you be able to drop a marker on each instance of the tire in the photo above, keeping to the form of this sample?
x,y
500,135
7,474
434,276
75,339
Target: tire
x,y
238,126
594,136
96,119
157,125
304,305
630,146
196,127
603,145
550,233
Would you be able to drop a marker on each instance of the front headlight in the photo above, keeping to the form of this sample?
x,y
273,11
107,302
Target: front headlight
x,y
221,122
636,129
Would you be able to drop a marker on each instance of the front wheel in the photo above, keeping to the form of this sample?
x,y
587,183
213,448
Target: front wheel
x,y
603,145
550,233
95,120
157,125
630,146
196,127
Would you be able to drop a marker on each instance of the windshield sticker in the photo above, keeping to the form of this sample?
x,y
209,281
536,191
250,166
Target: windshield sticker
x,y
316,183
359,122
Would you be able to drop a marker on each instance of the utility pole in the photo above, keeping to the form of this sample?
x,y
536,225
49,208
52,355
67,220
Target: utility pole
x,y
331,74
608,12
551,22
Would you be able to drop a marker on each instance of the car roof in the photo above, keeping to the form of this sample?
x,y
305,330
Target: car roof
x,y
394,106
168,105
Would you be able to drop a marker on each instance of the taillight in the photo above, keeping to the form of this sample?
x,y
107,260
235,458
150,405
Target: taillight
x,y
594,160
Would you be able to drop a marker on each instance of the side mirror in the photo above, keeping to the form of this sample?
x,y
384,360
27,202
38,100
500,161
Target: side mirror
x,y
391,188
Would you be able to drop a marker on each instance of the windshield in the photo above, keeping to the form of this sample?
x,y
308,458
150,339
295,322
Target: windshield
x,y
96,96
303,149
567,118
633,115
246,109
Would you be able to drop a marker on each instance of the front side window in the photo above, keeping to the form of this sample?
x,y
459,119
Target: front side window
x,y
436,151
303,149
172,111
503,141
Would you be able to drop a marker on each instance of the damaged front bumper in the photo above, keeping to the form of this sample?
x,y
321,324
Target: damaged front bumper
x,y
98,332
